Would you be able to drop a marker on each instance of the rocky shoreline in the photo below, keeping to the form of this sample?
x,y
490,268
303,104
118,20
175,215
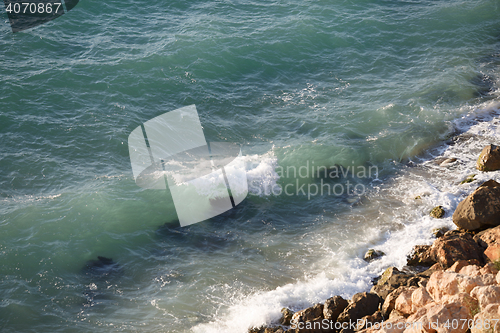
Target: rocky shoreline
x,y
452,285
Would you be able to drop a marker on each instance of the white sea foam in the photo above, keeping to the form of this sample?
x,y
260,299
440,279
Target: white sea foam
x,y
403,219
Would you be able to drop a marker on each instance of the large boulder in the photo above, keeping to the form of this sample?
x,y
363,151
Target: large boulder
x,y
453,247
362,304
489,159
309,321
480,209
312,313
392,279
333,307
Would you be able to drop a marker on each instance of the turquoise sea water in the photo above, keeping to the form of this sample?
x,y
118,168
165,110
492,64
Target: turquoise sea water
x,y
354,83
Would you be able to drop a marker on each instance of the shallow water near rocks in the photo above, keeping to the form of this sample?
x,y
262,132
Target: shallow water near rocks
x,y
391,85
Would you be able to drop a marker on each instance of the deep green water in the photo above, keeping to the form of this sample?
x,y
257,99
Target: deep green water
x,y
355,83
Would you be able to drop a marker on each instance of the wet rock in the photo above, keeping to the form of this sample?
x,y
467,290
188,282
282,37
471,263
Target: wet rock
x,y
312,313
420,256
286,316
467,180
453,247
488,237
392,279
481,209
372,254
448,162
489,313
309,320
439,232
489,159
437,212
362,304
102,267
264,329
333,307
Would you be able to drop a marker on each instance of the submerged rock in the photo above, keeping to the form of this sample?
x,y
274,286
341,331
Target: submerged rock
x,y
489,159
448,162
439,232
469,179
286,316
372,254
437,212
102,267
480,209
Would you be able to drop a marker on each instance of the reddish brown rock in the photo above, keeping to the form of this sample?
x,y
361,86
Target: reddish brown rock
x,y
480,209
453,247
420,256
392,279
333,307
362,304
493,252
309,321
313,313
489,159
